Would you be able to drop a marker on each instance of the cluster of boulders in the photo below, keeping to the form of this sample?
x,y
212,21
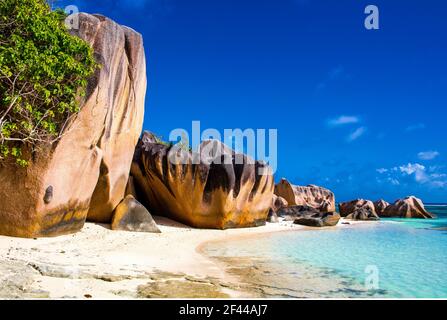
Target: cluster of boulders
x,y
360,209
310,206
102,171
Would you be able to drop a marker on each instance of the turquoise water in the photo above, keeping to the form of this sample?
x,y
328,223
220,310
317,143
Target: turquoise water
x,y
410,255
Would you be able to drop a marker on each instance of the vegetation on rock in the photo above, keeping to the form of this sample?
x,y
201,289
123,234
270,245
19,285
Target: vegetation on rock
x,y
43,73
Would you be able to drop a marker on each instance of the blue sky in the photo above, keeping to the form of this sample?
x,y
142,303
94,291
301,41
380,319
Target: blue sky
x,y
362,112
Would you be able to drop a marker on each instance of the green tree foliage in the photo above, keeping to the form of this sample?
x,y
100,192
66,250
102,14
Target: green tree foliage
x,y
43,73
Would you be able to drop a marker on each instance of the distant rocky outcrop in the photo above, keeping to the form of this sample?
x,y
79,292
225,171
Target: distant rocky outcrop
x,y
359,209
328,219
130,215
293,212
410,207
86,173
380,206
308,216
313,196
214,188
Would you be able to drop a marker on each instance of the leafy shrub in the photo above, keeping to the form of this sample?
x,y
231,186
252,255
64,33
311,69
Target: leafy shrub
x,y
43,72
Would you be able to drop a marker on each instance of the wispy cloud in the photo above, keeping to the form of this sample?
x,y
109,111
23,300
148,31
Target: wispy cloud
x,y
333,75
428,155
421,175
342,120
414,127
415,168
356,134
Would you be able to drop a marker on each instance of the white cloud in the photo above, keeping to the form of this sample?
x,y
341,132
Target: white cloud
x,y
438,175
417,169
439,184
413,127
428,155
421,174
342,120
357,134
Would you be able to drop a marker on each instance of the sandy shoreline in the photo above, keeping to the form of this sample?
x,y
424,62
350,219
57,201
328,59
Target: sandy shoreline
x,y
104,264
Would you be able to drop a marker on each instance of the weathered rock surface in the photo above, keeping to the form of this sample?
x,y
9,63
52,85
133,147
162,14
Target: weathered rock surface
x,y
359,209
309,216
278,203
380,206
16,281
410,207
130,215
317,197
210,189
294,212
272,217
328,219
86,173
363,214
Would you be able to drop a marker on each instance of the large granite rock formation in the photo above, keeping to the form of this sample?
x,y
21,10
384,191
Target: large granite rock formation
x,y
380,206
86,173
358,210
207,189
317,197
410,207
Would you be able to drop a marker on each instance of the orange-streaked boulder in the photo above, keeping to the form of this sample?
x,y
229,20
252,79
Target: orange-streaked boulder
x,y
410,207
313,196
210,189
86,173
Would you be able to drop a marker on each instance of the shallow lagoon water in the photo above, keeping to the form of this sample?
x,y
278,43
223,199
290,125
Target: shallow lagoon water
x,y
408,255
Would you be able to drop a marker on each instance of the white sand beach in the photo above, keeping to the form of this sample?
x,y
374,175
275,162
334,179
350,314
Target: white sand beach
x,y
99,263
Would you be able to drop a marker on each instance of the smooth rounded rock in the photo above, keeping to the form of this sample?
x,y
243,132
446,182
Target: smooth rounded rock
x,y
130,215
313,196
